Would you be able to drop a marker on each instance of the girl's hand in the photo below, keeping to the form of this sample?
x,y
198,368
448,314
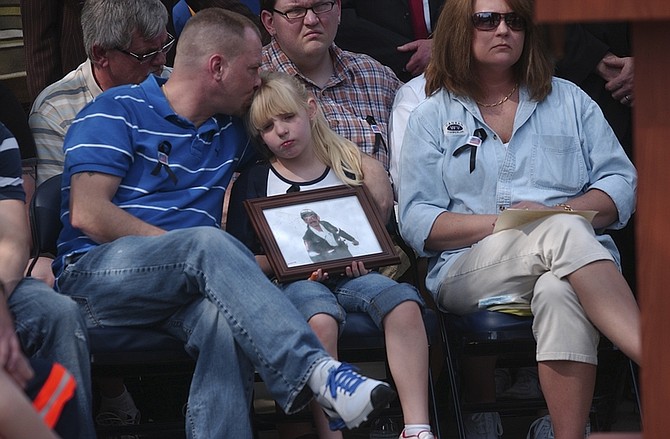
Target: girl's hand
x,y
356,269
318,276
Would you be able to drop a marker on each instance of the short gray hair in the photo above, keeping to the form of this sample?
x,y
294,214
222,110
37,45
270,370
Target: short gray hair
x,y
111,24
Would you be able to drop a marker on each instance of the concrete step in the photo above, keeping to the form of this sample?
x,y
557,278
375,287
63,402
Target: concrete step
x,y
12,57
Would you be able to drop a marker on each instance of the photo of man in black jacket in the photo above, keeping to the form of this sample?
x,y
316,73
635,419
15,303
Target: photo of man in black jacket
x,y
323,241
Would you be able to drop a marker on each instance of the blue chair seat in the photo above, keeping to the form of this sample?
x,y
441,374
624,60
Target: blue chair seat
x,y
122,346
491,326
489,333
360,332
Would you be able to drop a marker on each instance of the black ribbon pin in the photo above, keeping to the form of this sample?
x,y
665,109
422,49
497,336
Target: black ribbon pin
x,y
473,142
164,149
379,139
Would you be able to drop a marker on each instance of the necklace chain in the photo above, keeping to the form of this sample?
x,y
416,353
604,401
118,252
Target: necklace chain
x,y
502,101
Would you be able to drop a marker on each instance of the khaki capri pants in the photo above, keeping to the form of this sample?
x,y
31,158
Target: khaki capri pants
x,y
533,262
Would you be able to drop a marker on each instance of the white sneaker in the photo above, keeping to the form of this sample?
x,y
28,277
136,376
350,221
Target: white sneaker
x,y
526,385
423,434
114,416
117,417
483,426
541,429
349,398
118,411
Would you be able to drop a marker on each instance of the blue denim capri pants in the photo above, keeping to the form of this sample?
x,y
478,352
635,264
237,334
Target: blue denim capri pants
x,y
373,293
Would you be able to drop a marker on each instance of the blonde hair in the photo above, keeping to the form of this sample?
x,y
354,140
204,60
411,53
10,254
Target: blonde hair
x,y
451,60
280,93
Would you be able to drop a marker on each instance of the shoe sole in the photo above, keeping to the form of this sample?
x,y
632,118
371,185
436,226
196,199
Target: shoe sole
x,y
380,397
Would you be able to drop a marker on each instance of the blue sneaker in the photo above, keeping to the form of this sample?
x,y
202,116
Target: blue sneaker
x,y
349,398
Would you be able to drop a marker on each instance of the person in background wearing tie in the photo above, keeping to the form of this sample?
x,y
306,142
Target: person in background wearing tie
x,y
396,33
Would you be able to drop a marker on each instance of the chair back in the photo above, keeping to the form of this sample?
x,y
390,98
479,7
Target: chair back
x,y
45,223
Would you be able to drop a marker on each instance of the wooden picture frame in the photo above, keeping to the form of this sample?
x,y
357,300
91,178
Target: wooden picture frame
x,y
295,250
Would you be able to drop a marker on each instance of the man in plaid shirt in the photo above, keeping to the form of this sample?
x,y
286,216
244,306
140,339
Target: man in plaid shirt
x,y
355,91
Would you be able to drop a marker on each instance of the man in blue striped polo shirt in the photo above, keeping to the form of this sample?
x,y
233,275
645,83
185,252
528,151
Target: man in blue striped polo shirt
x,y
146,169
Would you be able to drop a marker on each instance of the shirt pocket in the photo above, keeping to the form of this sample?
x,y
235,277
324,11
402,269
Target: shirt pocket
x,y
557,163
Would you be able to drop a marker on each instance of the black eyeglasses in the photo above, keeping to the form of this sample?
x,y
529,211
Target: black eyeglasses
x,y
150,56
488,21
296,13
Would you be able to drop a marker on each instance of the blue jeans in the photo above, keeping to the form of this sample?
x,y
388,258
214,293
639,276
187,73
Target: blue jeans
x,y
204,287
50,326
374,294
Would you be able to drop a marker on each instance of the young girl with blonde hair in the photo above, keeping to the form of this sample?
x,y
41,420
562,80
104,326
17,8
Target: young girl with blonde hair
x,y
304,154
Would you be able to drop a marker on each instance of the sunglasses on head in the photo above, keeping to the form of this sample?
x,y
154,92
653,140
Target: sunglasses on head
x,y
488,21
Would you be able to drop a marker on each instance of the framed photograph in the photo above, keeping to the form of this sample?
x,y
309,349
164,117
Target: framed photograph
x,y
323,228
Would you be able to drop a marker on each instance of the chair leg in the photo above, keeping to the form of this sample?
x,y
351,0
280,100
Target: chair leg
x,y
433,403
636,387
453,382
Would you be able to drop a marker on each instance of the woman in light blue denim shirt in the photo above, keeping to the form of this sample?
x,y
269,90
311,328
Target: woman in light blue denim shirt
x,y
498,132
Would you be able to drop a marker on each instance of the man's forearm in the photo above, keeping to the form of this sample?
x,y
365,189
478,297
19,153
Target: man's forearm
x,y
107,222
14,244
12,267
93,212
